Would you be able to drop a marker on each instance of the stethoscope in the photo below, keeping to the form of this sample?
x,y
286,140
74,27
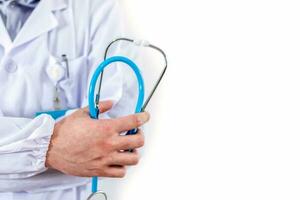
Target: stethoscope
x,y
140,105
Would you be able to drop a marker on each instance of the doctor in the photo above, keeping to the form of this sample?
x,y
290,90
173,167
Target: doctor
x,y
43,158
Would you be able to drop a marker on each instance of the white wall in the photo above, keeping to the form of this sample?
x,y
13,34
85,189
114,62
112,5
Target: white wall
x,y
225,121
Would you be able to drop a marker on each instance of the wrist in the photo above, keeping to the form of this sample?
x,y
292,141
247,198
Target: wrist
x,y
50,152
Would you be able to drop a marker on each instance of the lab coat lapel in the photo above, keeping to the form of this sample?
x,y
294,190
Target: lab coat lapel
x,y
41,20
5,39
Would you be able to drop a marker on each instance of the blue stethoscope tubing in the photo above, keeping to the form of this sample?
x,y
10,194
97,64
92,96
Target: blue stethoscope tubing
x,y
94,110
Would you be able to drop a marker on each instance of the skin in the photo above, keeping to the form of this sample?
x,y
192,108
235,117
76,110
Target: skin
x,y
81,146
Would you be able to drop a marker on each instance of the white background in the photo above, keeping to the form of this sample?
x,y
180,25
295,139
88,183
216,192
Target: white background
x,y
225,121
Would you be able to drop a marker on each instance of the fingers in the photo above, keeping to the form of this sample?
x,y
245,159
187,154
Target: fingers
x,y
115,171
111,171
130,141
131,121
115,165
124,159
105,106
124,142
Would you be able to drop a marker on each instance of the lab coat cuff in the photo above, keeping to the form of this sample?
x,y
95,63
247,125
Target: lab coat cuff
x,y
40,141
26,157
43,143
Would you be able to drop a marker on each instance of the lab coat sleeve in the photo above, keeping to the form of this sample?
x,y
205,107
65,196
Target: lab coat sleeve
x,y
109,22
23,145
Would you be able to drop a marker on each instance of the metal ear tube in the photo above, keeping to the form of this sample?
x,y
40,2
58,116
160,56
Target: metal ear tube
x,y
142,43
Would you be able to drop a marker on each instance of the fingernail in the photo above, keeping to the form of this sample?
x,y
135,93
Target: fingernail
x,y
143,118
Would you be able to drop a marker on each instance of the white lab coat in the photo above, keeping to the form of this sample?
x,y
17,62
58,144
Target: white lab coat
x,y
81,29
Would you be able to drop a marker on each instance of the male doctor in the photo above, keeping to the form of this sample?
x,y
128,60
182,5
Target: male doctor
x,y
43,158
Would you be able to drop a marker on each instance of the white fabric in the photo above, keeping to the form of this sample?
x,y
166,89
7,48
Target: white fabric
x,y
81,29
14,14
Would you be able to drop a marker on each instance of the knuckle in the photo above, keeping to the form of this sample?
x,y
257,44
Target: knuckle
x,y
109,159
96,149
100,149
136,160
111,143
140,131
121,173
140,141
128,141
105,146
135,121
107,128
96,165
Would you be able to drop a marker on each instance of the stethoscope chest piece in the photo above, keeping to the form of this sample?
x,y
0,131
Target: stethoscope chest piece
x,y
97,196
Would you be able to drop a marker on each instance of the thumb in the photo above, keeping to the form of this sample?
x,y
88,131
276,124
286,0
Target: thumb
x,y
105,106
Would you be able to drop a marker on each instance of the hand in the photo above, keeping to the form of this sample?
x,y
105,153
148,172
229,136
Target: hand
x,y
86,147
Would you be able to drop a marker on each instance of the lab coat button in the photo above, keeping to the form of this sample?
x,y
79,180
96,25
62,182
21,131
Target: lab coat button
x,y
11,66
